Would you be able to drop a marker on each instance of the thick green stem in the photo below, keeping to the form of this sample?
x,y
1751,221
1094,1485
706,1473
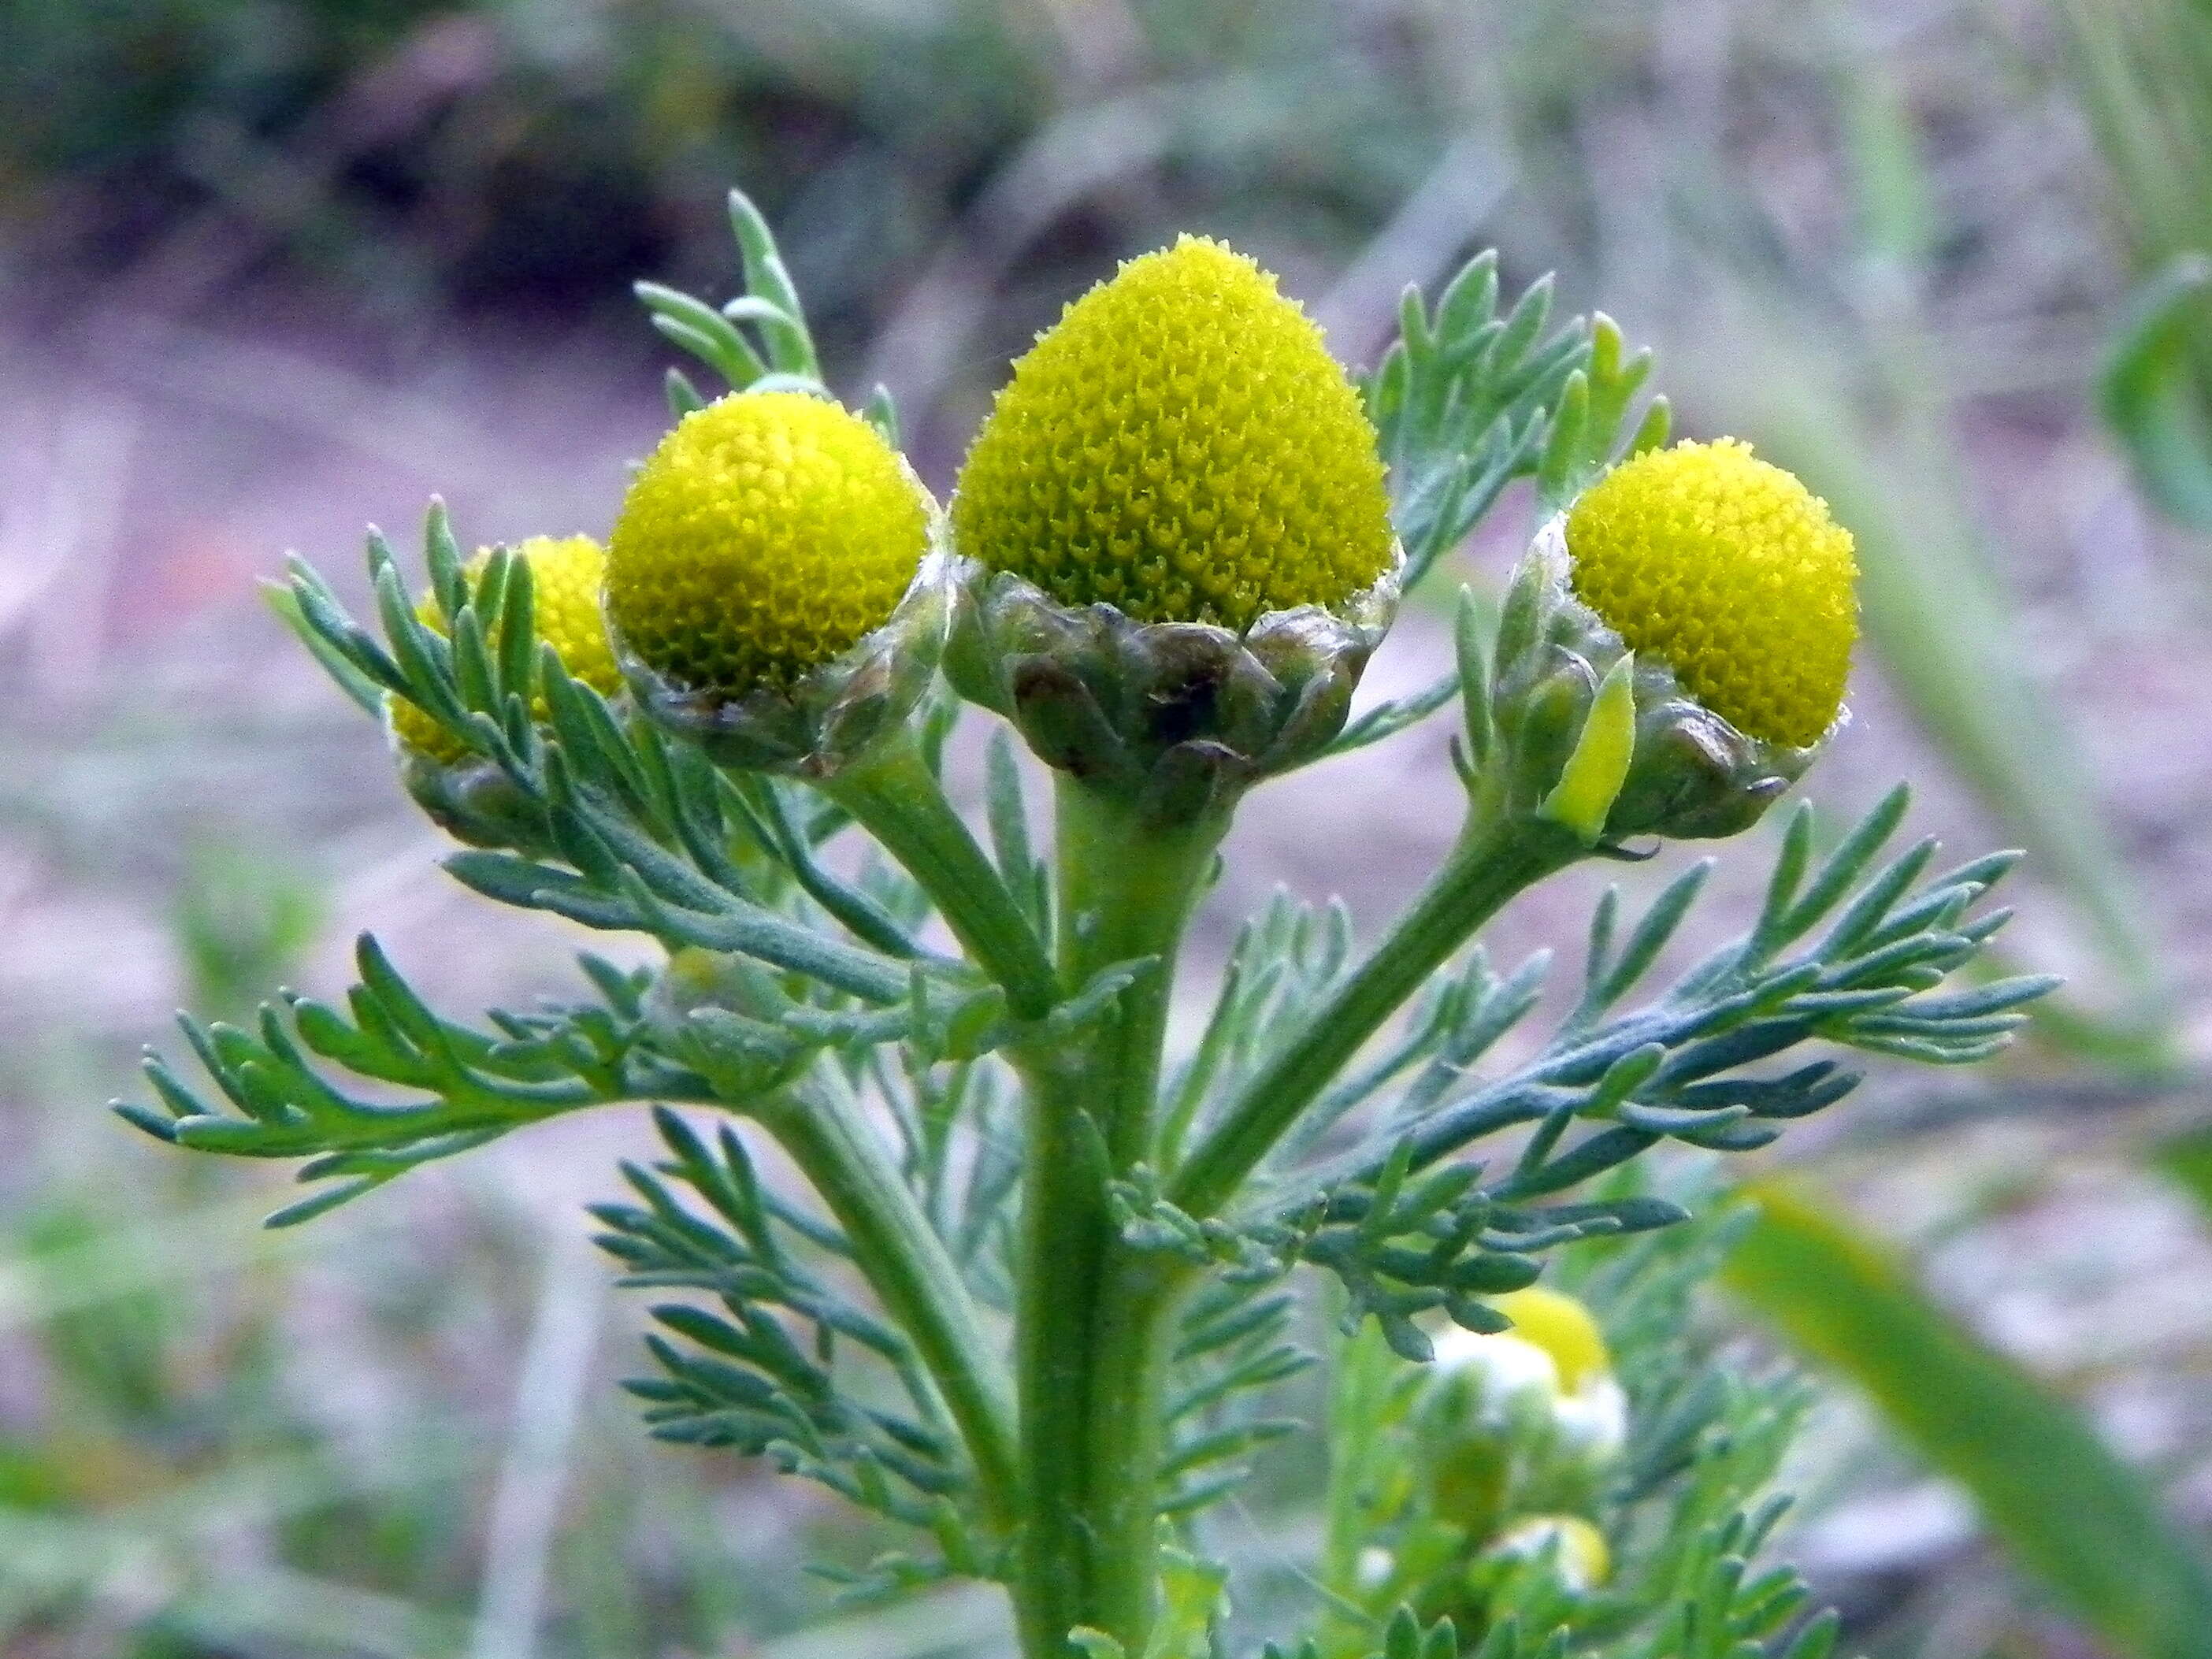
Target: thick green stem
x,y
1127,890
1092,1316
1493,861
1133,1335
898,799
912,1274
1062,1245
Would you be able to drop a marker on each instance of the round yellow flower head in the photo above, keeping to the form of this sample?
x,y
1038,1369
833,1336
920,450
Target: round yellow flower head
x,y
769,533
565,571
1180,445
1562,1328
1731,572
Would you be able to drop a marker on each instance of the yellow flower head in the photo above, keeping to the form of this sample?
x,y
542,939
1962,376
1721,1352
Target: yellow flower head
x,y
564,590
1562,1328
1181,446
1731,572
771,532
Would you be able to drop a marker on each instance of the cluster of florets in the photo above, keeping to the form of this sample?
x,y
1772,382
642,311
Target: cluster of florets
x,y
1180,450
1180,446
768,535
1511,1443
1731,572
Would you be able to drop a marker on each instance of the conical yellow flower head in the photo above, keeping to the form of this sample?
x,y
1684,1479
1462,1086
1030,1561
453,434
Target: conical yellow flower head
x,y
769,533
1731,572
1181,446
1562,1328
565,572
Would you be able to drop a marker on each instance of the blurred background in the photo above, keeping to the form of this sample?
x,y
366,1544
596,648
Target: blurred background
x,y
270,269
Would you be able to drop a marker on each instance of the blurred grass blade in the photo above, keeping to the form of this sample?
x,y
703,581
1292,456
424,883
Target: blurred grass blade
x,y
2071,1514
2188,1158
523,1525
2151,397
2143,73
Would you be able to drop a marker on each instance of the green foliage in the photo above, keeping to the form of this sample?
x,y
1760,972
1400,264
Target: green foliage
x,y
168,1430
986,1130
1466,401
644,825
479,1085
2142,73
742,1380
2152,398
2187,1158
490,151
1683,1503
1407,1231
784,358
2073,1514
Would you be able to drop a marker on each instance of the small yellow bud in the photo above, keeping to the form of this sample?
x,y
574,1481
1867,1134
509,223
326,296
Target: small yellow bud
x,y
1562,1328
1583,1562
1731,572
565,572
1180,445
771,532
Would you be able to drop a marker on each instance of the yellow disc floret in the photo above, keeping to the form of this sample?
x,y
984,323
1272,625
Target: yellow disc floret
x,y
769,532
1731,572
565,572
1182,447
1563,1327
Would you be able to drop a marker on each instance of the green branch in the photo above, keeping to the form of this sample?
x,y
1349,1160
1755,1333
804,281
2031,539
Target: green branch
x,y
1492,863
896,796
908,1266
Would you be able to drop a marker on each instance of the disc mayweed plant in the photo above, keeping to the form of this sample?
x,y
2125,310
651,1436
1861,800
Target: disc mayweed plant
x,y
1039,1300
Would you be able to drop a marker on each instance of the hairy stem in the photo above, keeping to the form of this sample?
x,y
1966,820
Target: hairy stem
x,y
1496,860
912,1274
898,799
1090,1360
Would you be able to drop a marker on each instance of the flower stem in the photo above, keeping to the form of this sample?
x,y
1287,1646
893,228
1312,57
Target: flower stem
x,y
1496,858
1092,1316
897,798
912,1274
1127,890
